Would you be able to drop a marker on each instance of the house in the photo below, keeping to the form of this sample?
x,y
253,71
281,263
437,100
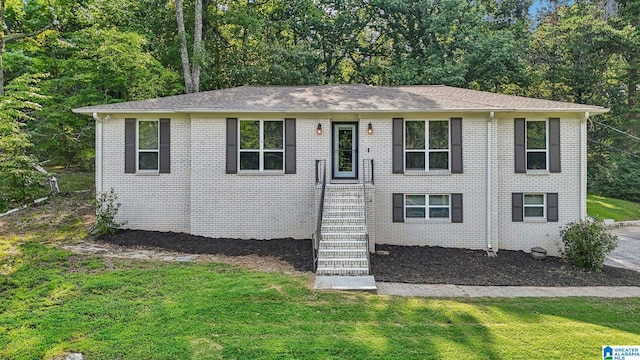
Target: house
x,y
406,165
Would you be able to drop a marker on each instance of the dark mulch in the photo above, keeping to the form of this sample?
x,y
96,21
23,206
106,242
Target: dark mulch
x,y
438,265
406,264
298,253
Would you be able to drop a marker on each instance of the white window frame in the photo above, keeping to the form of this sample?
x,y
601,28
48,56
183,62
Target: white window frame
x,y
261,150
426,151
546,149
543,205
426,207
138,150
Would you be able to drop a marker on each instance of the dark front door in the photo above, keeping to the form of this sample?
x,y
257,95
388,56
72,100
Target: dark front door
x,y
345,150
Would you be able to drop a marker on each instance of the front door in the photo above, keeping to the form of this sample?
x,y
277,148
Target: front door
x,y
345,150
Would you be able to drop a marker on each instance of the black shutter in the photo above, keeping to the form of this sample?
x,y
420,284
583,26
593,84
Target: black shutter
x,y
398,145
130,146
456,145
456,208
552,207
232,145
165,146
398,207
520,150
554,145
290,146
517,214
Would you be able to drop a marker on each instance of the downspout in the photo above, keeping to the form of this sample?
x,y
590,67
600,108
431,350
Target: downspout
x,y
98,163
489,211
583,166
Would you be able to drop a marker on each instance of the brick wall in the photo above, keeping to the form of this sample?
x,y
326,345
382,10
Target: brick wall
x,y
200,198
152,202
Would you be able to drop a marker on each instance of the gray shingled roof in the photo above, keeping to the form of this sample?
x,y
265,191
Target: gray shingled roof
x,y
339,98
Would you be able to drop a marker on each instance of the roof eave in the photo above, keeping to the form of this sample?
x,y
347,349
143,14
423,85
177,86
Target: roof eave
x,y
592,111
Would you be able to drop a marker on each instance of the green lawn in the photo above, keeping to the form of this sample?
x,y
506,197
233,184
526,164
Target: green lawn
x,y
601,207
53,302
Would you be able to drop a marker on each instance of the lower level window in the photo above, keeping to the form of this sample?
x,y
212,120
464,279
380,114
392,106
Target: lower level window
x,y
427,206
534,205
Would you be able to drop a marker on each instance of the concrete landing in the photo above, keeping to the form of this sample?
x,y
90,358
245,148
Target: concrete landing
x,y
357,283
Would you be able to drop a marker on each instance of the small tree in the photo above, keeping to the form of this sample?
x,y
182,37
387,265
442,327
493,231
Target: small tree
x,y
587,243
106,210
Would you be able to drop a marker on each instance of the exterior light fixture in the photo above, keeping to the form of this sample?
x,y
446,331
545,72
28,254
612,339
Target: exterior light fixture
x,y
319,129
370,129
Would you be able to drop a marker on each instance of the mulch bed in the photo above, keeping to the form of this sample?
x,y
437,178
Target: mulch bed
x,y
405,264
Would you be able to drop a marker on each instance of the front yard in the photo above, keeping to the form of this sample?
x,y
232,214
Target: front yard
x,y
53,303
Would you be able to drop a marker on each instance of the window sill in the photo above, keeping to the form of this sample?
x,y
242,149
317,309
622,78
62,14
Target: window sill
x,y
427,173
538,172
535,220
147,173
261,173
426,221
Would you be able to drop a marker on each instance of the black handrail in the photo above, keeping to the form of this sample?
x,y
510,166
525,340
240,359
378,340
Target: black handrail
x,y
316,238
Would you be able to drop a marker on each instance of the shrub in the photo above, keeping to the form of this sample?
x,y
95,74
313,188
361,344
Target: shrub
x,y
106,210
587,243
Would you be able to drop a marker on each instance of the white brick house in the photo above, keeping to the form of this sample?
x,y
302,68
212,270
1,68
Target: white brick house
x,y
443,166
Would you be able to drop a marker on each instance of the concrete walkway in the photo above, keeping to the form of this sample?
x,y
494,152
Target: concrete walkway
x,y
446,291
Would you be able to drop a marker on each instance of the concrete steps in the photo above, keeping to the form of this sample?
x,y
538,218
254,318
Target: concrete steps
x,y
343,246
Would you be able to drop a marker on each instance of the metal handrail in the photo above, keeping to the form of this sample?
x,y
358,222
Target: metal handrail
x,y
364,200
317,234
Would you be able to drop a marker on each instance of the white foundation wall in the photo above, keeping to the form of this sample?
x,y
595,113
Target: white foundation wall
x,y
150,202
254,206
525,235
471,233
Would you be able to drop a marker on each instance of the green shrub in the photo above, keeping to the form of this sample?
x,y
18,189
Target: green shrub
x,y
587,243
106,210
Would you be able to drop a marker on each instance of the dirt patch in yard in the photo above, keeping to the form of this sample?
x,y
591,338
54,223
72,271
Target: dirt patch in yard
x,y
405,264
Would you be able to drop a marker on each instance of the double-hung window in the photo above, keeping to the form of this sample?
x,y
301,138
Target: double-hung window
x,y
148,145
261,145
427,206
534,206
536,144
427,145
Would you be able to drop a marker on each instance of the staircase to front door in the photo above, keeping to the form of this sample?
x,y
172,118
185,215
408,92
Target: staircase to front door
x,y
343,235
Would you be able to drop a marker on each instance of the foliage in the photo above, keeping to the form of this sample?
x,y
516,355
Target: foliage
x,y
18,177
587,243
601,207
106,211
619,178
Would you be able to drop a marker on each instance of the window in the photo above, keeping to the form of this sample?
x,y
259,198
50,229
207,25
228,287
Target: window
x,y
148,145
427,206
534,206
261,145
427,145
536,145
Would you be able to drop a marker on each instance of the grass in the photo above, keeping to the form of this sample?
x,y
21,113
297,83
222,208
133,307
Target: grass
x,y
53,302
601,207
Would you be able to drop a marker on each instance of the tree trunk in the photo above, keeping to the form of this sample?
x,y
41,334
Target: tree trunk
x,y
198,48
184,54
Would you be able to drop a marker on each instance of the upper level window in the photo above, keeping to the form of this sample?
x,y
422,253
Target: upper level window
x,y
427,145
148,145
261,145
427,206
536,145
